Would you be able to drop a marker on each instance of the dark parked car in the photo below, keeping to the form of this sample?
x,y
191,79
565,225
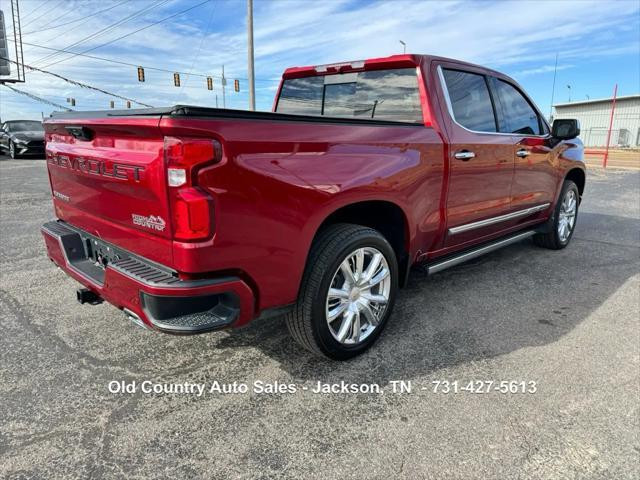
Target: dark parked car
x,y
22,137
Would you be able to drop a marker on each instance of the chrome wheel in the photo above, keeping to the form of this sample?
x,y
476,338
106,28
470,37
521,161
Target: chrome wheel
x,y
567,217
12,150
358,295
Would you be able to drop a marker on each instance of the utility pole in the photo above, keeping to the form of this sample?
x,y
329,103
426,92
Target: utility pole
x,y
553,88
569,88
224,83
404,46
613,109
252,86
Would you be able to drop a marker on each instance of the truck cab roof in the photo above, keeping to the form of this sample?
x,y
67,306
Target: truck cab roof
x,y
392,61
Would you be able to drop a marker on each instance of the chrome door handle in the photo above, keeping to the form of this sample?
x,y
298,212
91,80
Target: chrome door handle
x,y
523,153
464,155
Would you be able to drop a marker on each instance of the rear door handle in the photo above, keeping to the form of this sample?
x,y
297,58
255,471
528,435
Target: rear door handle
x,y
464,155
523,153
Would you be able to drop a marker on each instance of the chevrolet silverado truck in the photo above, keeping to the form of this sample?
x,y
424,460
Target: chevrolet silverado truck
x,y
194,219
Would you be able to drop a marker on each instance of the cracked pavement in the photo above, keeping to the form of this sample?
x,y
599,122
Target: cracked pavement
x,y
567,320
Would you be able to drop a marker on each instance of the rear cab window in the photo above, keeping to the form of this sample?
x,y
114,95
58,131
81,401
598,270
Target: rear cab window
x,y
391,95
469,100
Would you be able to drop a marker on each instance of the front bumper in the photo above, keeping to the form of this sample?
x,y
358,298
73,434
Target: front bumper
x,y
147,291
32,148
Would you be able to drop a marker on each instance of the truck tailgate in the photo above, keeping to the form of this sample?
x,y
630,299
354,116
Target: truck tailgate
x,y
108,177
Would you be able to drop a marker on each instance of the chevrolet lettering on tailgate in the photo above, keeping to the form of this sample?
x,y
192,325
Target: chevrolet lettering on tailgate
x,y
96,167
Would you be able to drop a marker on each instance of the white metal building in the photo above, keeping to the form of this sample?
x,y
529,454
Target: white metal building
x,y
594,118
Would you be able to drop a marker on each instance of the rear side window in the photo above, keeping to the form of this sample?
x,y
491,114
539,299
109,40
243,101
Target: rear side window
x,y
301,96
470,100
378,94
515,113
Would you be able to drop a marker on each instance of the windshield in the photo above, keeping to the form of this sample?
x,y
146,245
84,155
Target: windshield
x,y
25,126
377,94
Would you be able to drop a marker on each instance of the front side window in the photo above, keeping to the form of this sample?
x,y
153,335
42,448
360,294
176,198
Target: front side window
x,y
470,100
378,95
515,113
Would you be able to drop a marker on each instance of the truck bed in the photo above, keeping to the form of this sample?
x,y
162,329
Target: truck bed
x,y
181,111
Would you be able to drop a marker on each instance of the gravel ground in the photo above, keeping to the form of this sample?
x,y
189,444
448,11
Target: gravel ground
x,y
567,320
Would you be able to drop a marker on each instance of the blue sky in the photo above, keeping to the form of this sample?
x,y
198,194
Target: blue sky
x,y
598,43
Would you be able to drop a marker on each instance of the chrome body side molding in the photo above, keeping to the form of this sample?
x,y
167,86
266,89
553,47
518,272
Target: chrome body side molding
x,y
501,218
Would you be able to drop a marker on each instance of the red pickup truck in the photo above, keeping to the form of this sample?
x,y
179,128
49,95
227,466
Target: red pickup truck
x,y
194,219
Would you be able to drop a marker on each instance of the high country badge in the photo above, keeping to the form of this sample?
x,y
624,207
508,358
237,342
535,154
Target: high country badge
x,y
153,222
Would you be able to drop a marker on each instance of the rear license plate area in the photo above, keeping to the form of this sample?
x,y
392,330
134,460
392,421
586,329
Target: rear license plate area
x,y
100,253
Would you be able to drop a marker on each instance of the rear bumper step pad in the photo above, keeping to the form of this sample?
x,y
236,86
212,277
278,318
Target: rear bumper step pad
x,y
152,292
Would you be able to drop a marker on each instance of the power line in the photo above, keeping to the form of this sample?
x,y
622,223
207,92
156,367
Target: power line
x,y
120,62
108,28
43,14
78,84
110,60
31,12
54,19
131,33
195,58
37,98
76,20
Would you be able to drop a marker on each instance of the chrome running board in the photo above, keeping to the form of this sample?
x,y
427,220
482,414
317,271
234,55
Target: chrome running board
x,y
457,259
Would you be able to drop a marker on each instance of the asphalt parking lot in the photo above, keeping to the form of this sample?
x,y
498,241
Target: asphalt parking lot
x,y
567,320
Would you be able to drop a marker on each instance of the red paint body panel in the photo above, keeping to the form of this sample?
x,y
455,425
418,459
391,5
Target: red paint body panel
x,y
279,179
278,182
103,205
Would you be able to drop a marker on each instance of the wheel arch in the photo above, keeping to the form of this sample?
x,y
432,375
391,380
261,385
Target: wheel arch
x,y
577,176
386,217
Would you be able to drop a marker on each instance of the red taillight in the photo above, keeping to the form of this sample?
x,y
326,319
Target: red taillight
x,y
187,152
191,206
191,214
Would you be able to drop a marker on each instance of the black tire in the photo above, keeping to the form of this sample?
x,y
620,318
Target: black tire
x,y
307,321
551,239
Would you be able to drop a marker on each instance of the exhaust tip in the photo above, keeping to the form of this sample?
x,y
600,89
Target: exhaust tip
x,y
135,319
85,295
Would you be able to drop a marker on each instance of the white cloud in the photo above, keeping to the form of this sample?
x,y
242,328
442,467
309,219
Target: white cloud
x,y
542,69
